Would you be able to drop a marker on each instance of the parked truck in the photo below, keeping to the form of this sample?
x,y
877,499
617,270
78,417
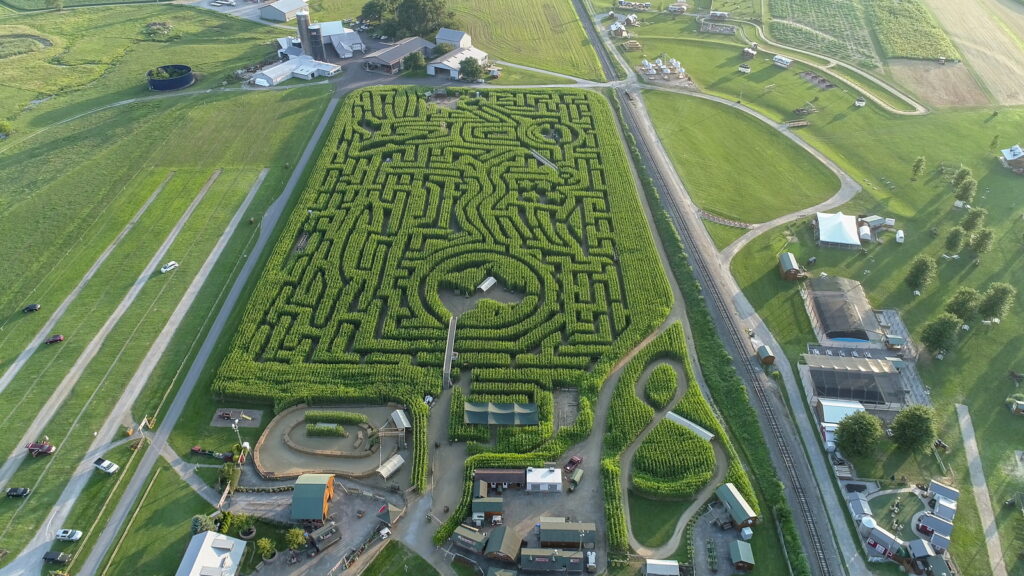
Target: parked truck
x,y
106,466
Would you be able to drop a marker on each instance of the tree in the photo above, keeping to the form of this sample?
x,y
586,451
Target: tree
x,y
913,429
965,190
994,143
982,241
202,523
922,272
955,239
265,548
997,300
470,69
414,61
961,175
919,165
443,48
964,303
941,333
378,10
6,129
858,433
295,539
975,218
422,17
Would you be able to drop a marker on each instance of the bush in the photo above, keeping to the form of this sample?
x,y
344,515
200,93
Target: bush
x,y
335,417
326,430
295,539
661,386
226,522
265,548
202,523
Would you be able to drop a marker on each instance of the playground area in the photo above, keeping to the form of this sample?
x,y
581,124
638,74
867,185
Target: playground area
x,y
285,450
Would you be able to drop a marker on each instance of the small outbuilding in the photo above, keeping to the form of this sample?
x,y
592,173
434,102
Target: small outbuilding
x,y
741,555
940,489
212,553
837,230
765,355
470,538
571,535
920,549
503,545
389,514
390,466
552,560
323,537
789,268
400,420
311,496
873,221
661,567
1013,156
543,479
740,511
487,284
282,10
454,38
931,524
864,232
781,61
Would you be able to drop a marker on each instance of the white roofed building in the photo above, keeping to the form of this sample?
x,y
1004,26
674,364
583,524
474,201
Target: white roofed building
x,y
838,230
299,67
451,62
454,38
282,10
543,479
832,411
212,554
1014,156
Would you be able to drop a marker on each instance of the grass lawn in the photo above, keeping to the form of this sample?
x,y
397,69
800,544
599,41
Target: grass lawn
x,y
397,559
518,76
723,235
734,165
463,568
654,521
545,34
909,505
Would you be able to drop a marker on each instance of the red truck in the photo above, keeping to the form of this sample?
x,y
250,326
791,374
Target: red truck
x,y
40,448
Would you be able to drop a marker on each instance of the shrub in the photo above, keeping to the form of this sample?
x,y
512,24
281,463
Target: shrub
x,y
295,539
335,417
265,548
202,523
326,430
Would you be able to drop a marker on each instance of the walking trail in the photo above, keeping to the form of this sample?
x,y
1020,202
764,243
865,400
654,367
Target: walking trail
x,y
981,495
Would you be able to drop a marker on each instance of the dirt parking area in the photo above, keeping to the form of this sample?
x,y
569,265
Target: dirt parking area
x,y
567,407
986,33
938,85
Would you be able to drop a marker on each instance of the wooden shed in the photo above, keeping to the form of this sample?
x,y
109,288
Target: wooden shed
x,y
764,353
789,268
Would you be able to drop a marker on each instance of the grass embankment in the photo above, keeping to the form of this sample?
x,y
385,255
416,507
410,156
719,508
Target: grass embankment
x,y
723,235
734,165
396,558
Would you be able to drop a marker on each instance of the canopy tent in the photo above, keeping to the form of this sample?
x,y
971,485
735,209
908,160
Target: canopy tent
x,y
838,230
390,466
500,414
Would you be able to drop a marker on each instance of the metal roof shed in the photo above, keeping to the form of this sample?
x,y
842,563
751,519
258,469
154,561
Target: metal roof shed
x,y
947,492
400,420
390,466
486,285
311,496
210,551
503,545
691,426
833,411
741,555
470,538
661,567
740,511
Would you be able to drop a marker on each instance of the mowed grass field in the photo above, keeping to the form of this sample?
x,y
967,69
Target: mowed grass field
x,y
733,164
396,559
545,34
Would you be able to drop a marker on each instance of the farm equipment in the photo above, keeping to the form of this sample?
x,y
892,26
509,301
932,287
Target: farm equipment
x,y
223,456
41,448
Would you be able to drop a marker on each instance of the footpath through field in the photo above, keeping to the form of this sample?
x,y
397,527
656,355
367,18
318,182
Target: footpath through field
x,y
981,495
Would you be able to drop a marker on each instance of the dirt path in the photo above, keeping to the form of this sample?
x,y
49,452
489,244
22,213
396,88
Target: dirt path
x,y
51,323
981,495
67,384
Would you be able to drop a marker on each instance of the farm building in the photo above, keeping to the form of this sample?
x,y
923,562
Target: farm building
x,y
324,536
871,381
765,354
304,67
873,221
451,62
859,507
881,542
920,549
931,524
839,310
543,480
312,496
345,41
831,411
501,478
469,538
789,268
574,535
282,10
1013,157
389,59
212,553
618,30
864,233
500,414
836,230
781,61
945,509
454,38
390,466
741,555
677,8
487,507
503,545
939,542
937,489
551,560
741,512
661,567
400,420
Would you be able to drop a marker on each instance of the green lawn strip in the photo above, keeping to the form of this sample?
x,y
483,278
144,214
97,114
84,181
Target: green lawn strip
x,y
511,76
723,235
772,176
325,10
546,34
654,520
397,559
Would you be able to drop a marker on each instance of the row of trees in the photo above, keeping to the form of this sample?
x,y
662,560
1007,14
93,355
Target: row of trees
x,y
401,18
913,430
967,304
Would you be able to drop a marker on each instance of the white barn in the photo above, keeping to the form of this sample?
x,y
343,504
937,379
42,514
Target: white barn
x,y
211,553
282,10
543,479
303,67
451,62
345,40
456,38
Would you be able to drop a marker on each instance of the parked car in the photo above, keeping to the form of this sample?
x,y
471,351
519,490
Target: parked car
x,y
55,339
18,492
573,463
55,557
31,308
168,267
69,535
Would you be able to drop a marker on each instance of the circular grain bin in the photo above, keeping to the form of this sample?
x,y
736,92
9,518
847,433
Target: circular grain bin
x,y
170,77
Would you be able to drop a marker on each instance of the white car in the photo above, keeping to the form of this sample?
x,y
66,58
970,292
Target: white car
x,y
168,267
69,535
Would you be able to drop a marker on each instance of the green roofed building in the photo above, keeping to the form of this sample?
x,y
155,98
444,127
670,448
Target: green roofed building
x,y
488,506
551,560
311,497
740,511
494,414
503,545
741,556
470,538
573,535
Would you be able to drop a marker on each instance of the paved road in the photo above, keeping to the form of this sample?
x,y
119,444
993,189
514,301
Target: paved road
x,y
137,483
981,495
67,384
51,323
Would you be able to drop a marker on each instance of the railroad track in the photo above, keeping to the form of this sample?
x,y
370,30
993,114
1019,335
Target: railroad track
x,y
756,378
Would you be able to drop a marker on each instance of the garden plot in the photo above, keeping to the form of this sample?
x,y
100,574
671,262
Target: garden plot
x,y
830,27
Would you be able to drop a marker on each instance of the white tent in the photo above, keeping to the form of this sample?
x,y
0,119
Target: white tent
x,y
838,229
390,466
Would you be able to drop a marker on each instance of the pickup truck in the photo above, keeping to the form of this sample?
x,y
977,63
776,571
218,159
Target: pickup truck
x,y
106,466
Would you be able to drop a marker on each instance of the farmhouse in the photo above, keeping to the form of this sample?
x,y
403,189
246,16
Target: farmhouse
x,y
871,381
389,59
551,560
469,538
503,545
304,67
282,10
661,567
543,480
451,62
1013,157
500,414
454,38
501,478
741,512
212,554
836,230
741,555
839,310
311,496
575,535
